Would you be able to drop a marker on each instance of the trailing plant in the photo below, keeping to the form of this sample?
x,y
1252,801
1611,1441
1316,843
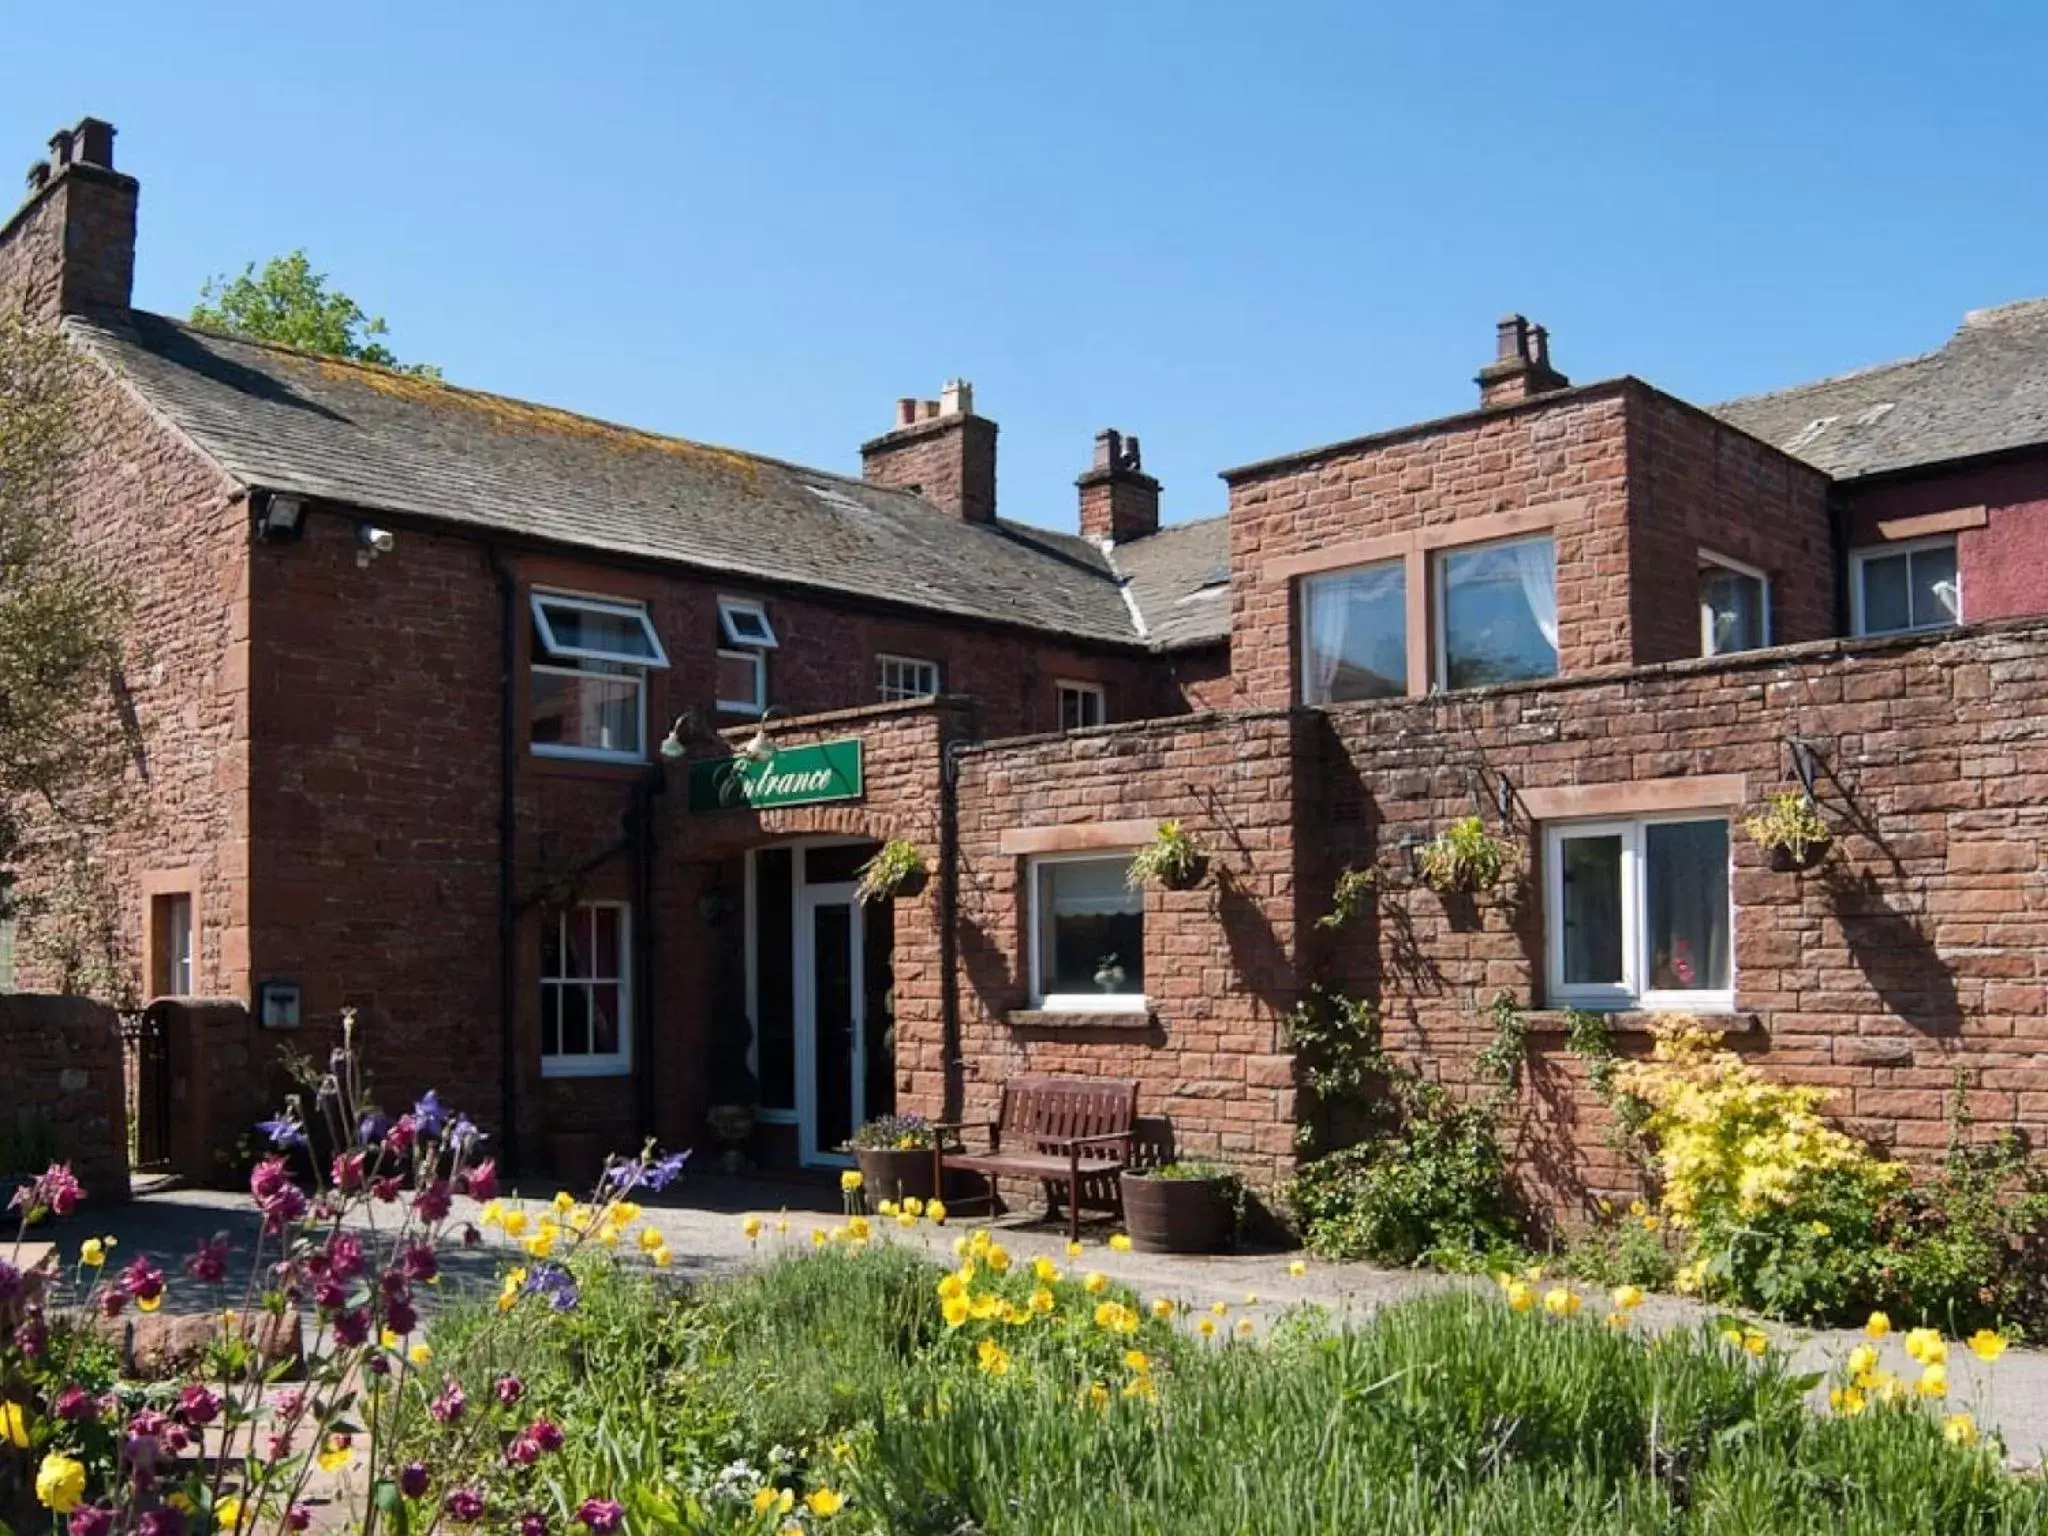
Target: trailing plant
x,y
1171,859
893,1133
1464,857
1351,897
1590,1037
896,863
1792,822
1183,1172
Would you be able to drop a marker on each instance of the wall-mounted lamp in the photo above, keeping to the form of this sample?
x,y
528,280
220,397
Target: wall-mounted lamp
x,y
375,541
1504,801
675,745
1411,852
759,749
279,518
1805,763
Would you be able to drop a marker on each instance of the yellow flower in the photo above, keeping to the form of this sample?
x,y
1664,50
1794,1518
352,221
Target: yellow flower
x,y
850,1180
1074,1250
92,1252
1106,1314
1861,1360
913,1205
1689,1278
1959,1429
998,1259
515,1223
419,1354
1986,1345
782,1501
388,1339
1120,1242
1042,1301
956,1311
1637,1209
857,1227
1755,1341
1015,1315
335,1455
818,1237
1096,1397
1878,1326
60,1483
905,1220
1819,1229
1297,1269
1884,1385
13,1426
1617,1321
886,1208
1163,1309
662,1257
750,1229
951,1286
1651,1223
1927,1346
1251,1298
228,1514
935,1213
542,1243
1220,1308
1627,1297
149,1303
1044,1268
1933,1381
1137,1360
823,1502
1732,1337
1206,1327
982,1308
1533,1274
1847,1401
1520,1295
1560,1302
1244,1327
608,1235
625,1212
961,1246
1095,1283
837,1235
564,1202
992,1357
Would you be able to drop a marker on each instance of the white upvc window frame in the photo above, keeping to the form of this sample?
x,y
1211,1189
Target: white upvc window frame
x,y
1709,557
1076,1002
605,664
899,694
1858,558
1062,686
747,636
1629,994
1440,603
617,1063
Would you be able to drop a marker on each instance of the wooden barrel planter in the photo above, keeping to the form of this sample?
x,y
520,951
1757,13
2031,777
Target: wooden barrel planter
x,y
890,1173
1180,1215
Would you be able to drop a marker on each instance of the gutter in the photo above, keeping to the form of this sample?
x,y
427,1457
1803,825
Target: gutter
x,y
508,841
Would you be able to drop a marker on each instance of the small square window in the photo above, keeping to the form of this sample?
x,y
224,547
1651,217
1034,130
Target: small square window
x,y
742,679
1639,914
1088,934
1082,705
1496,607
1354,634
586,991
1735,607
742,621
1898,588
905,677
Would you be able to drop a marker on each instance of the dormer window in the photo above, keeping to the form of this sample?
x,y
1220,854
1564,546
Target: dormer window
x,y
591,656
745,639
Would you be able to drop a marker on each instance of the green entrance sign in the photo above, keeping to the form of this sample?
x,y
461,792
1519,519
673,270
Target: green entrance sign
x,y
808,775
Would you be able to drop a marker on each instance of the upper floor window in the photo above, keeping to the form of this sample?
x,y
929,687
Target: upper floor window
x,y
905,677
1496,612
1087,933
1735,606
590,661
745,639
1354,634
586,990
173,946
1638,913
1895,588
1082,705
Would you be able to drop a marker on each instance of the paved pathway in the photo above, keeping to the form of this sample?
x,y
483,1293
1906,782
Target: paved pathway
x,y
702,1222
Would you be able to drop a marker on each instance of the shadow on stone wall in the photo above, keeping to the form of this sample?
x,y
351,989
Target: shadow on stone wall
x,y
64,1099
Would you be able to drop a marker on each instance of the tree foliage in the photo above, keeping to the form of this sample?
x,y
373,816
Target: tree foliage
x,y
64,741
292,305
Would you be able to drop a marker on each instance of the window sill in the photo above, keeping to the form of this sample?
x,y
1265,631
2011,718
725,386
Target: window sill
x,y
558,765
610,1066
1128,1019
1640,1021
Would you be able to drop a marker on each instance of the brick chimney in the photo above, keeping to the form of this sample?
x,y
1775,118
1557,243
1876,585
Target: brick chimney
x,y
1521,367
1119,501
70,248
940,450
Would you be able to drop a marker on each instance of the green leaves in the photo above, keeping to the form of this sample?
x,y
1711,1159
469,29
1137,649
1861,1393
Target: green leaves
x,y
290,304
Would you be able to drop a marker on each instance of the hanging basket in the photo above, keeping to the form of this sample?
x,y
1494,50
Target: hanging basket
x,y
1188,878
1785,862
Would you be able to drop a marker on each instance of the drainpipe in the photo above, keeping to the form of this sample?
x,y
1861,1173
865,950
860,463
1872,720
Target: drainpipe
x,y
949,916
508,848
642,1024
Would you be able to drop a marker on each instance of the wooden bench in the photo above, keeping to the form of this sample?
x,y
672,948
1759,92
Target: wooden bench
x,y
1070,1131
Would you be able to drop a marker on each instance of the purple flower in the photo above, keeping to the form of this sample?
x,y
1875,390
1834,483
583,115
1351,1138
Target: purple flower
x,y
412,1479
601,1515
198,1406
428,1117
150,1422
509,1389
432,1202
373,1128
142,1280
664,1171
352,1327
329,1294
463,1136
546,1434
522,1451
90,1520
386,1190
418,1262
209,1262
10,1282
284,1132
400,1315
76,1404
447,1408
345,1256
555,1283
532,1523
298,1517
165,1520
466,1504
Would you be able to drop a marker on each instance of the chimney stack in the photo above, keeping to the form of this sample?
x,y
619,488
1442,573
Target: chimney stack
x,y
70,247
1521,367
1119,501
940,450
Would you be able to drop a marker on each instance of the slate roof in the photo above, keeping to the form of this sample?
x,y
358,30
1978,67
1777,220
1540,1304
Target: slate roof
x,y
290,421
1985,391
1180,581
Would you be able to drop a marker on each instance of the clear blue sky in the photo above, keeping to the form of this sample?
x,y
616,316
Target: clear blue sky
x,y
1232,229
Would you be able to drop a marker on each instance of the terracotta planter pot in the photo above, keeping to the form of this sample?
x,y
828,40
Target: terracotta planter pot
x,y
1179,1215
888,1174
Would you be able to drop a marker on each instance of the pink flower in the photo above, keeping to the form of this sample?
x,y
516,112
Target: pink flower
x,y
481,1182
413,1480
91,1520
466,1504
198,1406
268,1179
209,1262
347,1171
278,1446
55,1190
329,1294
546,1434
387,1189
399,1139
601,1515
76,1404
142,1280
352,1328
418,1261
345,1256
432,1203
532,1523
522,1451
298,1517
400,1315
447,1407
509,1389
290,1403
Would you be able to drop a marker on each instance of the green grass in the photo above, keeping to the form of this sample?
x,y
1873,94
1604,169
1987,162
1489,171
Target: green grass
x,y
1445,1415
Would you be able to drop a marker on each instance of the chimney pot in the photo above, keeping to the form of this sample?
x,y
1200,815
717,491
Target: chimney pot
x,y
92,143
60,149
1511,334
957,398
950,460
87,244
906,410
1521,367
927,410
1119,501
1108,447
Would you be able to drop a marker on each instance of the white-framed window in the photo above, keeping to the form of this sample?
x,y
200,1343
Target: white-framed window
x,y
1082,705
1087,934
1639,913
745,639
1354,634
905,677
586,990
1496,612
1735,606
1897,588
174,946
591,656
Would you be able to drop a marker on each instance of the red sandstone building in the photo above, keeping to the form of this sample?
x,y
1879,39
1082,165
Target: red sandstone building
x,y
442,692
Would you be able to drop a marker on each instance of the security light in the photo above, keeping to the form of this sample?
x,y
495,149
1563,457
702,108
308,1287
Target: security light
x,y
282,517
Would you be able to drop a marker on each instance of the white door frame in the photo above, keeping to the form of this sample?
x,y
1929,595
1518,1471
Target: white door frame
x,y
805,995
